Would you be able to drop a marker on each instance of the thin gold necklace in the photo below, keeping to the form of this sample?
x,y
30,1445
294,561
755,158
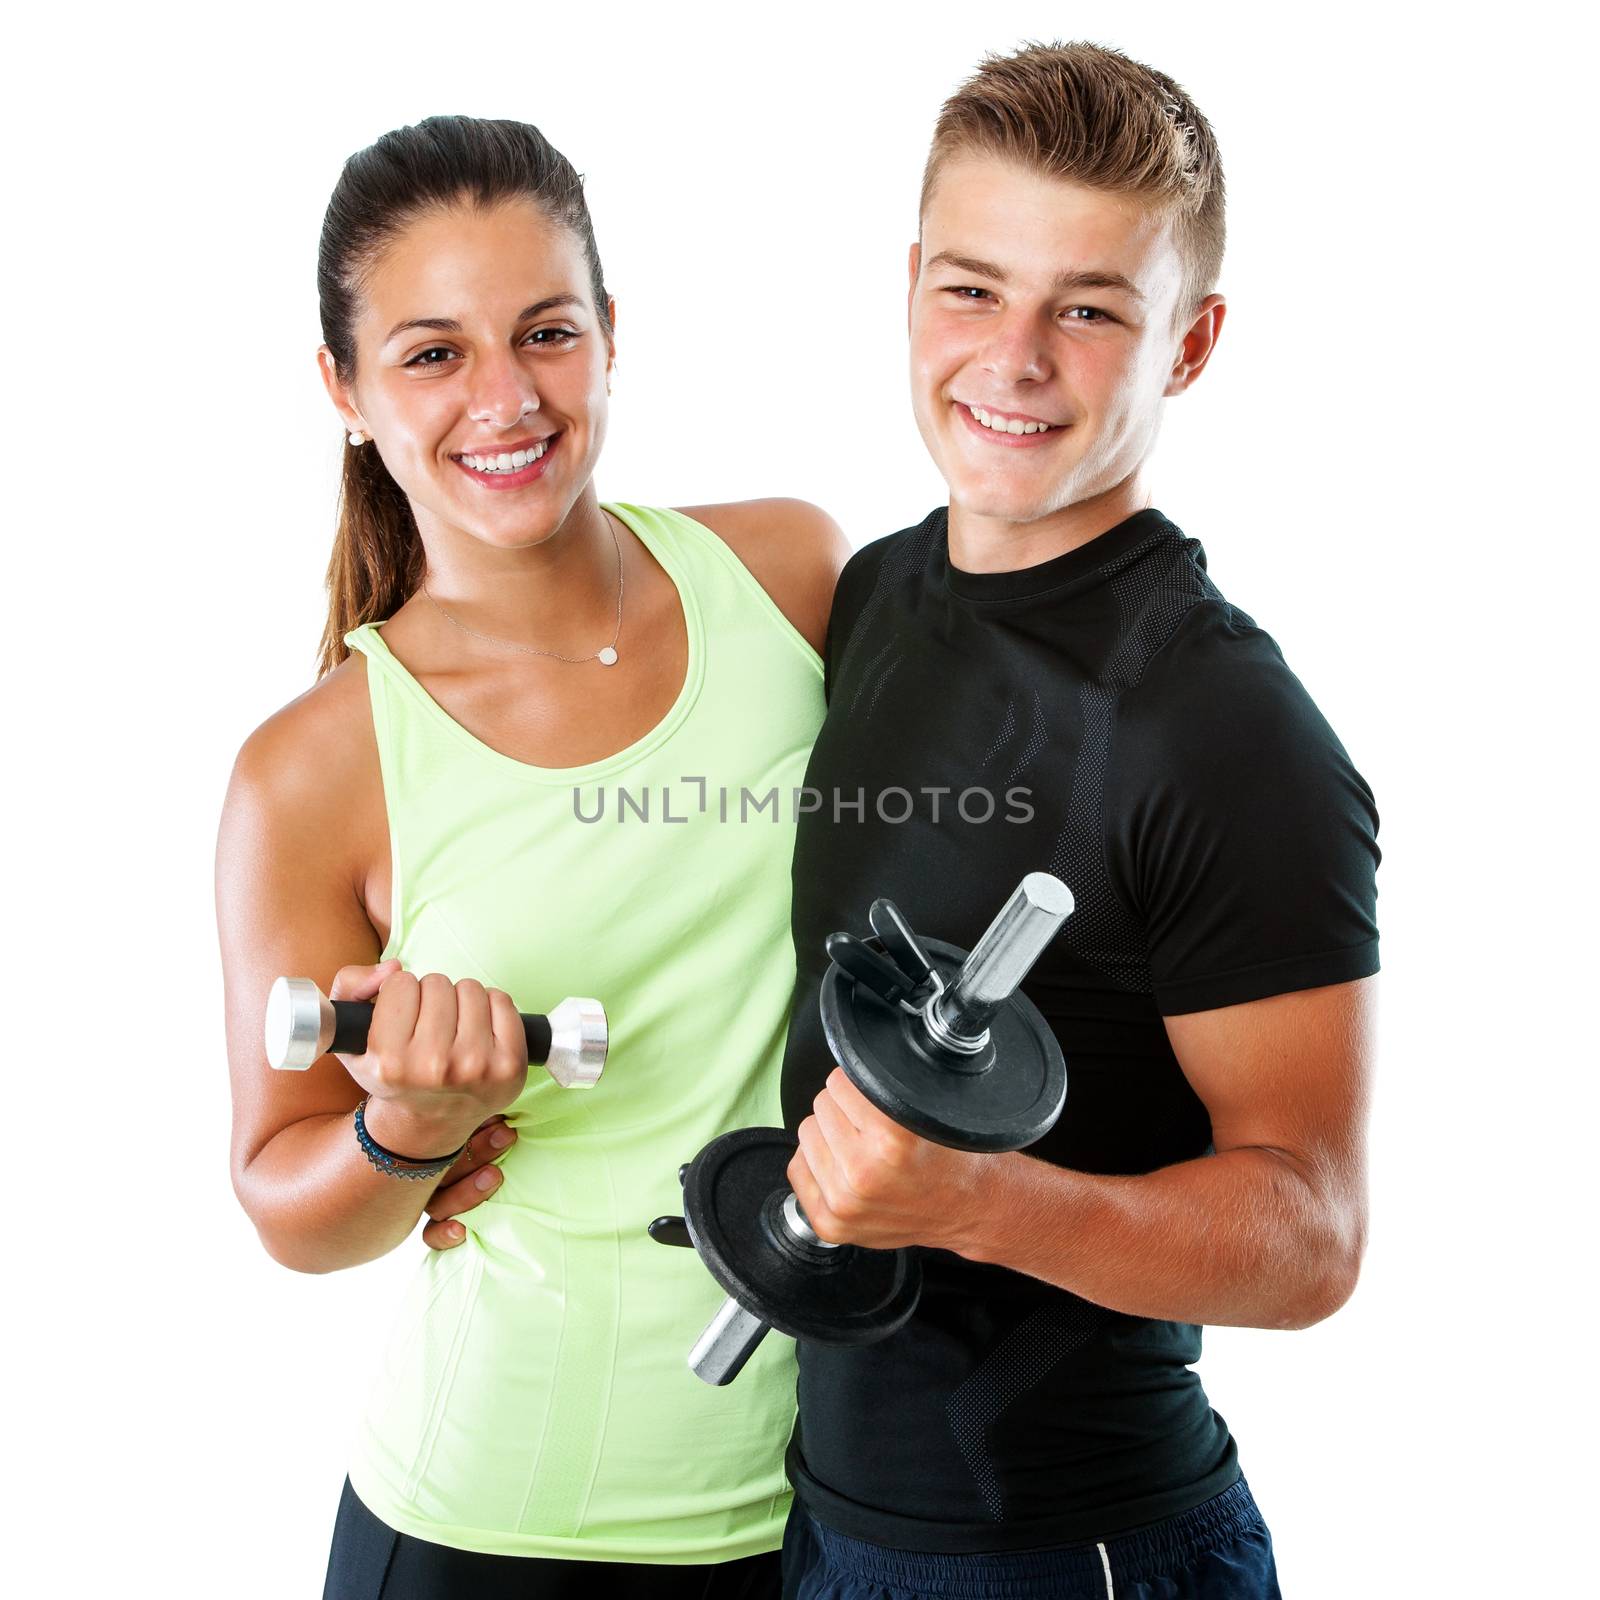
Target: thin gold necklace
x,y
606,655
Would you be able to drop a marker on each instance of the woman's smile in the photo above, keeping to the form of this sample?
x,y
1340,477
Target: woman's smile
x,y
510,469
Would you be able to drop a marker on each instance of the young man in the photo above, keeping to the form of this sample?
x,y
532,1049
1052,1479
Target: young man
x,y
1048,669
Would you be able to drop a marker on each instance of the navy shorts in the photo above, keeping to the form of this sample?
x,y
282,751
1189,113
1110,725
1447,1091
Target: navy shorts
x,y
1221,1550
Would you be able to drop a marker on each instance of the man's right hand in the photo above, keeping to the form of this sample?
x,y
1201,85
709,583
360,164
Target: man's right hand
x,y
467,1184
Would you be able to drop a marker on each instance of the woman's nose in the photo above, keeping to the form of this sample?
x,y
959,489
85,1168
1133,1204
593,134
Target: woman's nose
x,y
502,395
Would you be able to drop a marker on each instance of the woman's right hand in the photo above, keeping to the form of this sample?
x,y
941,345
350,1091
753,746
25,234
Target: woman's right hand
x,y
441,1057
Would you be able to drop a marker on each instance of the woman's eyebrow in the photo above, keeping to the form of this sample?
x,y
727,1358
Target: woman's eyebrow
x,y
450,325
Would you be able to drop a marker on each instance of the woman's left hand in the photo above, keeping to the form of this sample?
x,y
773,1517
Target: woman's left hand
x,y
468,1183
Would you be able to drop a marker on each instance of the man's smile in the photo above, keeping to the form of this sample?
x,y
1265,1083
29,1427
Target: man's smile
x,y
1006,427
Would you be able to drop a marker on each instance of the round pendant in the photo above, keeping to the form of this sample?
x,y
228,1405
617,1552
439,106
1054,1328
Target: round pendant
x,y
607,657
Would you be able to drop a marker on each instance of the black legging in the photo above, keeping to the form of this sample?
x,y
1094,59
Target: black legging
x,y
370,1561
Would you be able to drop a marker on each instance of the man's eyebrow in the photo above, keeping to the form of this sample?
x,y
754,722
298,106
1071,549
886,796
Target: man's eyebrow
x,y
1087,278
979,269
450,325
1091,279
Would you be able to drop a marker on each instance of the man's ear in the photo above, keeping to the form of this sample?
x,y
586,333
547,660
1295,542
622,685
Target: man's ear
x,y
1195,348
914,264
338,392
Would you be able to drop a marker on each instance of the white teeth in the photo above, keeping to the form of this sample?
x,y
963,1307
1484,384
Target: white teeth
x,y
1007,425
503,462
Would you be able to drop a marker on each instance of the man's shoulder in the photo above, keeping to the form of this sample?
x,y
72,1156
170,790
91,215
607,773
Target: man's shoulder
x,y
1212,645
1218,688
893,555
914,540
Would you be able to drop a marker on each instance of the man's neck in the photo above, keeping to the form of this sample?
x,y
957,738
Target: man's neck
x,y
989,544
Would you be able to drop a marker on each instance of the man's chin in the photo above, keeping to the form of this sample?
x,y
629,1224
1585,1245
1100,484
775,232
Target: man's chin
x,y
994,504
1023,494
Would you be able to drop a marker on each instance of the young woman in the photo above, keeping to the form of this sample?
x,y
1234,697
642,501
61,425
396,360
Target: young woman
x,y
439,825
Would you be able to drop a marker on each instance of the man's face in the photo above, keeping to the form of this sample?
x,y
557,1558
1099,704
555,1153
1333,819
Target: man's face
x,y
1036,301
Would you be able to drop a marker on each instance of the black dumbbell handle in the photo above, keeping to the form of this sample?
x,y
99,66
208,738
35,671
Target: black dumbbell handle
x,y
352,1019
302,1025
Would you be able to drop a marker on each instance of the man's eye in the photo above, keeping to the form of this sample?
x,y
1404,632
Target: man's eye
x,y
967,291
1087,314
420,359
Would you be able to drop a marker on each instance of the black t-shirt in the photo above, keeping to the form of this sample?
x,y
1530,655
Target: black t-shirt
x,y
1106,716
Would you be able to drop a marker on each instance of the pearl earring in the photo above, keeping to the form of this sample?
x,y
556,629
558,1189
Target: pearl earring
x,y
358,437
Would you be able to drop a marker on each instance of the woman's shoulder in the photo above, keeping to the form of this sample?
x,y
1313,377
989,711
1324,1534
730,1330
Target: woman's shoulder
x,y
312,757
792,548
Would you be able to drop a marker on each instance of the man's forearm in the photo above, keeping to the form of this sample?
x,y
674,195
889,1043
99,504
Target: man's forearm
x,y
1238,1238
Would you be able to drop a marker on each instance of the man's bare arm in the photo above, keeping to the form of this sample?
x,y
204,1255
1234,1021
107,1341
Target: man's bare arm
x,y
1267,1232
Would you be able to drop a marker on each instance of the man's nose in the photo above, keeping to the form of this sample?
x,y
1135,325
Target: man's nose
x,y
1017,351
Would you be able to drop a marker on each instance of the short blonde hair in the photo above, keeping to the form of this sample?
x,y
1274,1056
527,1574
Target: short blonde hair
x,y
1093,115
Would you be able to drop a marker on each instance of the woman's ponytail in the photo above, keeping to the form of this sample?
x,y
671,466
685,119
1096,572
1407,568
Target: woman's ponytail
x,y
376,563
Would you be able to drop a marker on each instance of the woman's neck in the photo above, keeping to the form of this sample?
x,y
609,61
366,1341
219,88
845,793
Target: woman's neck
x,y
558,593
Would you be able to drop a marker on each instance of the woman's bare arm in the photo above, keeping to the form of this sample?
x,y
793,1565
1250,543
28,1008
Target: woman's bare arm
x,y
289,901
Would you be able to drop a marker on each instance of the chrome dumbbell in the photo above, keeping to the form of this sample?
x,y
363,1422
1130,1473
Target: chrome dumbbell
x,y
303,1025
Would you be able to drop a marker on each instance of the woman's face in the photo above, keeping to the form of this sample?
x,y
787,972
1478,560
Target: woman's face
x,y
481,371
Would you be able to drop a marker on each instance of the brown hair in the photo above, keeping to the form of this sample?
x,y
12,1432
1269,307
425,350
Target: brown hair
x,y
377,556
1093,115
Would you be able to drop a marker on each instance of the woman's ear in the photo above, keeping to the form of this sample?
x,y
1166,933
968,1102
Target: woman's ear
x,y
338,391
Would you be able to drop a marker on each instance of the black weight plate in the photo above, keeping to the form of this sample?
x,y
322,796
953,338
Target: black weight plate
x,y
845,1296
1004,1099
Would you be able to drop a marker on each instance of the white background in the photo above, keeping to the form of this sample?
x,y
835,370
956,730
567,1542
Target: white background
x,y
1384,462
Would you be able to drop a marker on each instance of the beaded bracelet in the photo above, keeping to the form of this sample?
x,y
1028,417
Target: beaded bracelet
x,y
398,1166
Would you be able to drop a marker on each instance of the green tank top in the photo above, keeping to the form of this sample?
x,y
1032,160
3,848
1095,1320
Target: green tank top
x,y
534,1398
